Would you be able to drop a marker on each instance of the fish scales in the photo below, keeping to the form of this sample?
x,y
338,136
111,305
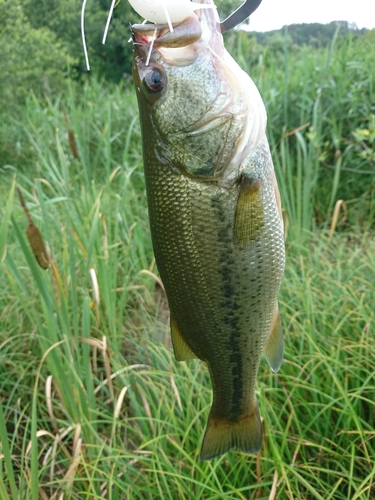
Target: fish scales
x,y
216,230
212,284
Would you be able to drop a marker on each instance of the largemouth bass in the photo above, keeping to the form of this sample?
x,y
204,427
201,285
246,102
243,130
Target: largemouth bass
x,y
215,215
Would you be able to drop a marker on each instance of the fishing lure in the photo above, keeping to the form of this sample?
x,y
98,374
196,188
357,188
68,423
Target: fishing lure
x,y
166,11
174,11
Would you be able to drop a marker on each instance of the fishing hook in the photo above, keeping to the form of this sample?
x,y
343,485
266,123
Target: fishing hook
x,y
239,15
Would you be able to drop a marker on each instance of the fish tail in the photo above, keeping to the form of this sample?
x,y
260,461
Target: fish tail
x,y
222,435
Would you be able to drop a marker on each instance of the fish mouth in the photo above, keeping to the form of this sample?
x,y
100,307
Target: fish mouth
x,y
184,33
201,25
177,48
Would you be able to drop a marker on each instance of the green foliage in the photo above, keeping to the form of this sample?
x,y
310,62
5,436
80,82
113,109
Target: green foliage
x,y
111,60
226,7
31,59
364,141
94,404
41,44
315,34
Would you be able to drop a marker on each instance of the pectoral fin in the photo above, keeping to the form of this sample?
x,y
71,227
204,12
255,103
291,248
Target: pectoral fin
x,y
182,351
274,347
249,219
278,200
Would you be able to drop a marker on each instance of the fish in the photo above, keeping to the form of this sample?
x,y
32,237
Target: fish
x,y
215,216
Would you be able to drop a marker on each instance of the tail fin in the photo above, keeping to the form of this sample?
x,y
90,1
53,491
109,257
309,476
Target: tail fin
x,y
223,435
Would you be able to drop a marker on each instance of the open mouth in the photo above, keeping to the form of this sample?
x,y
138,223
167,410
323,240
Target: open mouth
x,y
147,37
184,33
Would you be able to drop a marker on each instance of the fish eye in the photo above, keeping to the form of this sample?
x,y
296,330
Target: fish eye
x,y
154,79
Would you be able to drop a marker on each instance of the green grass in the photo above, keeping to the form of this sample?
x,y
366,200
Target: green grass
x,y
93,403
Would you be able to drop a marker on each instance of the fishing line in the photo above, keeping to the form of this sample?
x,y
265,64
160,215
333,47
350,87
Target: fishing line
x,y
151,47
83,34
170,26
110,13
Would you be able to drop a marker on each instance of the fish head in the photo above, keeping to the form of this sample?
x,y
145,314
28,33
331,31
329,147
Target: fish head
x,y
200,113
174,72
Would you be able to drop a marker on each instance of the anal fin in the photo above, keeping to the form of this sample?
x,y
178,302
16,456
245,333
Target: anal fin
x,y
274,346
249,219
244,434
182,351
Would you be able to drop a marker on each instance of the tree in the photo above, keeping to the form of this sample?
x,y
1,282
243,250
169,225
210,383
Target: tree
x,y
111,60
226,7
31,59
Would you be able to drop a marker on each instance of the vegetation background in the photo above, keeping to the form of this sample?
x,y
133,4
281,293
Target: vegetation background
x,y
93,403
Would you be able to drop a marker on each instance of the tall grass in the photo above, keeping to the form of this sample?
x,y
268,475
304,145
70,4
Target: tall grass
x,y
94,404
